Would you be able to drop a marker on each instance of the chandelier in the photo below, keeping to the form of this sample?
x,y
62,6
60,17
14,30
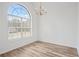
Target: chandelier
x,y
40,10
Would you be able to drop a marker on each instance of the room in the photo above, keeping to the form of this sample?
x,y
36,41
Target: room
x,y
39,29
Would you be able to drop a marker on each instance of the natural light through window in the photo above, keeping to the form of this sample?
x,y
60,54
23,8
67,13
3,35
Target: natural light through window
x,y
19,22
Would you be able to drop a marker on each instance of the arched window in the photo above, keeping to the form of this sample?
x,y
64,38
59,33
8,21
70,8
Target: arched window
x,y
19,22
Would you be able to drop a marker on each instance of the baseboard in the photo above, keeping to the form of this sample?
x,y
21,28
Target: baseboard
x,y
17,47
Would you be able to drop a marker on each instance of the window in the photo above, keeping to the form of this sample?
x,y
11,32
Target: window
x,y
19,22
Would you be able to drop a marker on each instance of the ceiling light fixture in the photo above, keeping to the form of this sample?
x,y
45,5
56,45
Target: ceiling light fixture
x,y
40,10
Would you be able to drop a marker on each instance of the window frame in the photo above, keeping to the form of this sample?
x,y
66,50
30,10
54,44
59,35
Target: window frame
x,y
22,24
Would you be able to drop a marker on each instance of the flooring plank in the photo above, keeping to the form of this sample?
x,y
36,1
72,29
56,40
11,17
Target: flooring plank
x,y
42,49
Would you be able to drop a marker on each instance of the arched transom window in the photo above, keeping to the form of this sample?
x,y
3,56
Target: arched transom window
x,y
19,22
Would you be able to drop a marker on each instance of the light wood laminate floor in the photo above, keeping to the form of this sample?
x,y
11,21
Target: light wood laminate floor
x,y
42,49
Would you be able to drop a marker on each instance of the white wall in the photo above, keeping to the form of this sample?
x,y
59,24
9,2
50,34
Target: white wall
x,y
59,25
78,30
5,44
